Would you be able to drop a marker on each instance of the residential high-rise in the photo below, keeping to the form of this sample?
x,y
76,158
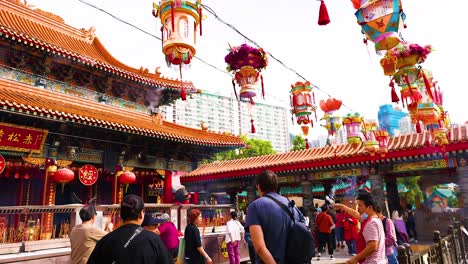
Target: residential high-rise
x,y
388,118
406,126
225,114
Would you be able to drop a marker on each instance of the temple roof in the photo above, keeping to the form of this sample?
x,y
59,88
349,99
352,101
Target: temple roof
x,y
47,32
30,100
329,157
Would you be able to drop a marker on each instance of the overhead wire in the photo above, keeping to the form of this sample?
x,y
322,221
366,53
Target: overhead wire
x,y
215,15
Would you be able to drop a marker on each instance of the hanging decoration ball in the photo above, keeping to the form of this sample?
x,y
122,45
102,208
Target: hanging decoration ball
x,y
246,63
127,177
64,175
180,22
381,21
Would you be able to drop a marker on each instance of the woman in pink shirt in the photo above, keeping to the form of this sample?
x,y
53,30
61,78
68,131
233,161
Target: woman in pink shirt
x,y
169,235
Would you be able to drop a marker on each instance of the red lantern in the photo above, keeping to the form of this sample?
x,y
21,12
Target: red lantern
x,y
127,177
64,175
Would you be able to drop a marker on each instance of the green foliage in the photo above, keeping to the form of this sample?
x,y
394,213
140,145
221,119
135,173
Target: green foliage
x,y
452,202
412,186
298,143
254,147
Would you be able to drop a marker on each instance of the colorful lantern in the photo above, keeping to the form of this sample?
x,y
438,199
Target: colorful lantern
x,y
381,21
180,21
303,104
246,63
332,123
382,137
353,124
370,142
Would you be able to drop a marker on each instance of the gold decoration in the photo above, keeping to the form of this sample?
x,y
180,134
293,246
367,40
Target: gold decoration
x,y
64,163
34,161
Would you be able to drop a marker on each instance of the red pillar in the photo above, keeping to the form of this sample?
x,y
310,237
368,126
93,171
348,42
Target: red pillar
x,y
167,196
195,198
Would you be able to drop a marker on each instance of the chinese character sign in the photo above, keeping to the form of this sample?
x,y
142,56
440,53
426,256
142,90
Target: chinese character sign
x,y
20,138
88,175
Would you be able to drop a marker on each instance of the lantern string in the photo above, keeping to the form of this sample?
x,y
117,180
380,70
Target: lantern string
x,y
212,12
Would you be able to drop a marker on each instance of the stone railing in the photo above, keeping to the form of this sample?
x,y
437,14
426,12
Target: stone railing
x,y
451,249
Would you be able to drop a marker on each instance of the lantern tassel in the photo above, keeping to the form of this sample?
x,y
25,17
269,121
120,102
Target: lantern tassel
x,y
418,127
263,88
324,19
252,127
307,144
63,185
315,113
428,85
234,87
395,98
313,97
183,94
201,18
172,16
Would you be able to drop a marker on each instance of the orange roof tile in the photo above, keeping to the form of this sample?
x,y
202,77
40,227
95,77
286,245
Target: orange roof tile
x,y
42,30
24,98
410,145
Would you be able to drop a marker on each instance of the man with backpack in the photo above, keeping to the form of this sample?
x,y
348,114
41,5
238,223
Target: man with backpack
x,y
272,228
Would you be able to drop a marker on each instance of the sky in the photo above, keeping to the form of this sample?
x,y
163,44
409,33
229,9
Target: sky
x,y
332,57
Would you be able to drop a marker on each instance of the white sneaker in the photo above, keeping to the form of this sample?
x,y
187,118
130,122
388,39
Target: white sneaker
x,y
332,257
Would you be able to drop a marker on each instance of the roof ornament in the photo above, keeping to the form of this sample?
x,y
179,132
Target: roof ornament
x,y
89,34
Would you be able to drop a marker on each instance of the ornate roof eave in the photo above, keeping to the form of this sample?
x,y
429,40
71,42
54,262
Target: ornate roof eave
x,y
402,148
19,23
36,102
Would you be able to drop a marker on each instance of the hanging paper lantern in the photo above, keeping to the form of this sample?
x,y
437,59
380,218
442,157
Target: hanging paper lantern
x,y
381,21
382,137
370,142
63,176
353,124
303,105
246,63
127,177
332,122
180,21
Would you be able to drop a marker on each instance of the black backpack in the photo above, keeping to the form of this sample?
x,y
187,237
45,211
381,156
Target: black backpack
x,y
300,246
399,238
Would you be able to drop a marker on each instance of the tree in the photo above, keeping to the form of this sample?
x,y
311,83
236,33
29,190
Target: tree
x,y
298,143
414,192
254,147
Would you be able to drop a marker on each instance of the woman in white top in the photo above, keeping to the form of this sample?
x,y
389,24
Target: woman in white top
x,y
234,234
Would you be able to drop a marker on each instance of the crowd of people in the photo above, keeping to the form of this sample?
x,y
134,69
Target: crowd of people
x,y
366,234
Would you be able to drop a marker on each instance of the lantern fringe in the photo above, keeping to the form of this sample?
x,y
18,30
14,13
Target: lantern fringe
x,y
427,84
418,127
252,127
183,94
395,98
263,88
234,87
307,144
324,19
200,14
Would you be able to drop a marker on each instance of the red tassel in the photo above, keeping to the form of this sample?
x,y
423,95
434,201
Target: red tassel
x,y
183,94
324,19
263,89
252,101
409,88
395,98
307,144
200,15
172,16
418,127
428,85
252,127
235,92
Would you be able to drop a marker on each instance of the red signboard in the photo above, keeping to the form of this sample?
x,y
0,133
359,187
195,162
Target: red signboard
x,y
2,163
88,175
21,138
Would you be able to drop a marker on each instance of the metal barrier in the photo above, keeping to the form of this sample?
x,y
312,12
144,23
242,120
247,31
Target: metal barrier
x,y
451,249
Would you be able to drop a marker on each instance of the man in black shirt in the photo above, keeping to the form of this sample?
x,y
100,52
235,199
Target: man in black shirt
x,y
130,243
